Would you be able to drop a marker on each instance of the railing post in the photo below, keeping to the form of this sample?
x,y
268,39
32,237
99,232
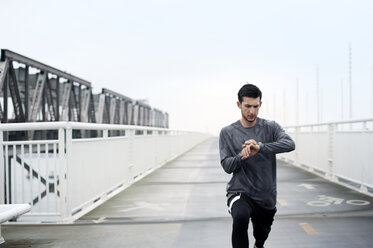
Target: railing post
x,y
171,142
297,130
155,140
62,173
131,136
331,147
105,133
69,186
2,169
365,127
363,189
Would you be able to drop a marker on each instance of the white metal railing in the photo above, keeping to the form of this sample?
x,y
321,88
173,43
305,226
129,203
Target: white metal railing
x,y
339,151
64,178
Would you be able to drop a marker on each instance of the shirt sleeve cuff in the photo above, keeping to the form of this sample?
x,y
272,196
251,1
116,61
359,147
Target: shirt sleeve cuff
x,y
261,145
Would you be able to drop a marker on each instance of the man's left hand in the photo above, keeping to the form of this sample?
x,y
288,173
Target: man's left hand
x,y
251,148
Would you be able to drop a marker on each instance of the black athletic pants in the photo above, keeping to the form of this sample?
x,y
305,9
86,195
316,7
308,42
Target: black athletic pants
x,y
242,209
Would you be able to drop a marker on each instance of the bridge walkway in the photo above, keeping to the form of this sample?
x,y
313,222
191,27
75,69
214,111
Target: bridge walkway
x,y
183,205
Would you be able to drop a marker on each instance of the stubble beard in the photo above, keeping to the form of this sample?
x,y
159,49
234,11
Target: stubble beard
x,y
249,121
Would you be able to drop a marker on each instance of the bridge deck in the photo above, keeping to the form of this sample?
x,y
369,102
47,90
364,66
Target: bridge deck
x,y
183,205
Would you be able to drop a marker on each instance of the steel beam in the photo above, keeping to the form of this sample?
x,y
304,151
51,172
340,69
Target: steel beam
x,y
3,71
74,105
57,98
12,56
37,98
65,101
122,111
113,93
50,102
5,98
129,114
14,92
101,108
91,109
27,94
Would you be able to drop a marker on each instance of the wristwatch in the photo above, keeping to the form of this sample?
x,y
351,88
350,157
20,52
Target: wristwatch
x,y
260,145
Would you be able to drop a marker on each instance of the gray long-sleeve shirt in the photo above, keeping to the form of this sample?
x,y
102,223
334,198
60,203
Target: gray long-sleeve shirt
x,y
255,176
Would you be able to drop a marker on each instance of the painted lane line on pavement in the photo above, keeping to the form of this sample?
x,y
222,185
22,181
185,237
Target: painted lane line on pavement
x,y
308,228
306,185
282,202
100,220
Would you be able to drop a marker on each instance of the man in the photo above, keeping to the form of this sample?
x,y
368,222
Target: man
x,y
248,149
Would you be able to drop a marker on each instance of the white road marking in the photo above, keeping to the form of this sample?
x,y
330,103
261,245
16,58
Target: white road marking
x,y
330,199
146,205
358,202
282,202
306,185
318,203
100,220
325,201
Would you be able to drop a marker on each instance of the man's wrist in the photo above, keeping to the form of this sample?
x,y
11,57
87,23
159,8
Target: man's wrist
x,y
261,145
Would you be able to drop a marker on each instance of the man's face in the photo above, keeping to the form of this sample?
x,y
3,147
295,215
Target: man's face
x,y
249,108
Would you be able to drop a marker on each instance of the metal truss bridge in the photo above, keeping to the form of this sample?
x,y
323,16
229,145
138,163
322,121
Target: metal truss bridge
x,y
40,92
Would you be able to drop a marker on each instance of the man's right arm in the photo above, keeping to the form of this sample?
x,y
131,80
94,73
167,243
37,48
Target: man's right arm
x,y
229,161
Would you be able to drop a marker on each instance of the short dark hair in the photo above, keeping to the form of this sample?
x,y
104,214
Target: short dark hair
x,y
249,90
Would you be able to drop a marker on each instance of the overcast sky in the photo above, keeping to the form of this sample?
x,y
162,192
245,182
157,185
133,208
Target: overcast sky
x,y
190,58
